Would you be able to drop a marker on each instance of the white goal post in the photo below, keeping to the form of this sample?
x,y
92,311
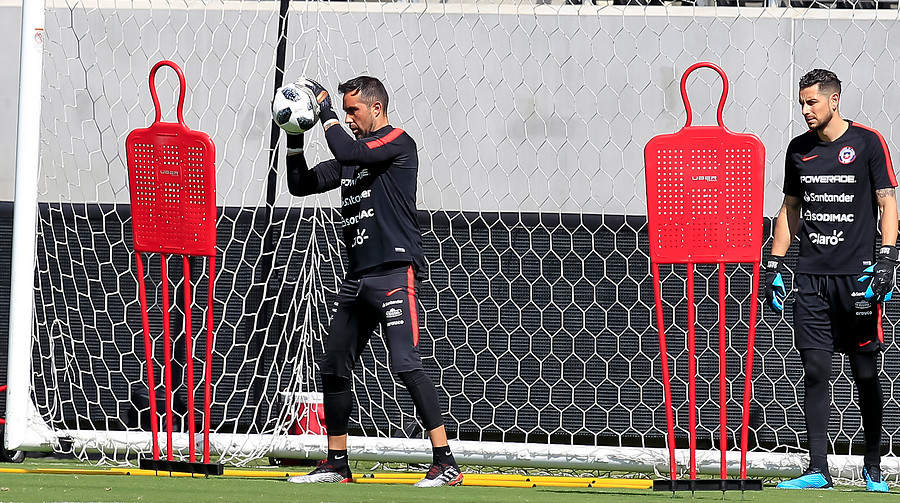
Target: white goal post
x,y
28,135
537,310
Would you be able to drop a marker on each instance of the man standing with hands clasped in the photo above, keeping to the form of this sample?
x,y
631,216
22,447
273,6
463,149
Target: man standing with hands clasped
x,y
838,178
376,173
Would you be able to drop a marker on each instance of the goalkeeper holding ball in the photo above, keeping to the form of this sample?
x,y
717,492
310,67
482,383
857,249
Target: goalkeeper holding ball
x,y
377,177
838,177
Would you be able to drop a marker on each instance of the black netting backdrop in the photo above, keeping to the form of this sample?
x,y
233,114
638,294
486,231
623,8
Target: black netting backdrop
x,y
6,211
536,328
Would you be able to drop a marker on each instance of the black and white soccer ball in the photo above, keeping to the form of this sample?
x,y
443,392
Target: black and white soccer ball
x,y
294,108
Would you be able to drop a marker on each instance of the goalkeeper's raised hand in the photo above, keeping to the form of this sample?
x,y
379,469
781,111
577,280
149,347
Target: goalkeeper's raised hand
x,y
326,113
881,275
775,290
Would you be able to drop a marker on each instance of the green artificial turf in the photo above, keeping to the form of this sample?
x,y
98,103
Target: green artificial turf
x,y
31,487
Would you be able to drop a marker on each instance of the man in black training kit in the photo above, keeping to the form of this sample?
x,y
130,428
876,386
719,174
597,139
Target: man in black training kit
x,y
377,177
838,177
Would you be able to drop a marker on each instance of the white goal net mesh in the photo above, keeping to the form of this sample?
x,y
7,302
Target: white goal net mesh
x,y
530,120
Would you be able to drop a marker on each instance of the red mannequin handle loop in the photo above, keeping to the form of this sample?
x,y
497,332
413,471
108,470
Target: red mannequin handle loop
x,y
684,97
180,94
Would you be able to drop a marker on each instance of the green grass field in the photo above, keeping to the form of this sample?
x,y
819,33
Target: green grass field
x,y
105,487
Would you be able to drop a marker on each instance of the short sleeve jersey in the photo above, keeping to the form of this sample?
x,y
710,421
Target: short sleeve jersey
x,y
377,176
836,182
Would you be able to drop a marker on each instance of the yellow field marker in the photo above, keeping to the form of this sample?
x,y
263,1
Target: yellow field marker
x,y
476,482
608,483
497,483
472,479
262,473
466,481
623,483
138,472
551,478
57,471
562,484
271,474
486,476
384,480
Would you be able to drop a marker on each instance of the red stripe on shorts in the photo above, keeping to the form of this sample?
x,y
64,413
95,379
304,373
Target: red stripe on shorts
x,y
413,308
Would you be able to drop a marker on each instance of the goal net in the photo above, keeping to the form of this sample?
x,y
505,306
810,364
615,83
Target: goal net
x,y
537,308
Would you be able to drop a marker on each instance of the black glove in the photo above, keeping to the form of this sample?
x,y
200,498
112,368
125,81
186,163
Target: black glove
x,y
881,283
326,113
775,290
294,143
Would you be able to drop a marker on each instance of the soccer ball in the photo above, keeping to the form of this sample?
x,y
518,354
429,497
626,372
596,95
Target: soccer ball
x,y
294,108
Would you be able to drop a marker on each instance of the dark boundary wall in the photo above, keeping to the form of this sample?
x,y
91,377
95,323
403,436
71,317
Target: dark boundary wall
x,y
6,218
553,313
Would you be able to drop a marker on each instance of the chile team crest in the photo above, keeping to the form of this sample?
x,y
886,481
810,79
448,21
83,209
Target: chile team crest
x,y
847,155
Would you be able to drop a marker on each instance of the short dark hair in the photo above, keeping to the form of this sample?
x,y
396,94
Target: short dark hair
x,y
370,90
828,82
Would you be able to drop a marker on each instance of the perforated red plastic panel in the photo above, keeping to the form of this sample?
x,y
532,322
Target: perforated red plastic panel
x,y
704,191
172,180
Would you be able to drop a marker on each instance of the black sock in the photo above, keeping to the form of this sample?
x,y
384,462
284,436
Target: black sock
x,y
817,404
864,367
337,457
337,395
424,396
443,455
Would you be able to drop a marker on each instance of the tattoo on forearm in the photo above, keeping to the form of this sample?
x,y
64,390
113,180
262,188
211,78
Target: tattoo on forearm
x,y
885,192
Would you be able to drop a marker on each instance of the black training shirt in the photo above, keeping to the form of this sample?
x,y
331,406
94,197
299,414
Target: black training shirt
x,y
836,182
377,177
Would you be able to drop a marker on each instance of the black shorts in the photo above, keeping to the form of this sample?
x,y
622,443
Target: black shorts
x,y
386,298
831,313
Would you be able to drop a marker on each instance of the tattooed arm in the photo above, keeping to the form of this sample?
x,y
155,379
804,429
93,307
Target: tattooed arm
x,y
887,202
